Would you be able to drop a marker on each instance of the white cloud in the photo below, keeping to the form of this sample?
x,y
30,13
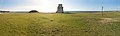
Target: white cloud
x,y
28,8
40,5
43,6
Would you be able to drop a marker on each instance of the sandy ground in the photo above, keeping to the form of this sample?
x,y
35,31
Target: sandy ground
x,y
108,20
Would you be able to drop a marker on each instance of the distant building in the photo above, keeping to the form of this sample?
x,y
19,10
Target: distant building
x,y
60,9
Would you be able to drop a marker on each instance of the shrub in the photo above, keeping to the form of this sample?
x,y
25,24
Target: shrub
x,y
33,11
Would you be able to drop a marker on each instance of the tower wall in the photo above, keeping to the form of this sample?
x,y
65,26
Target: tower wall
x,y
60,9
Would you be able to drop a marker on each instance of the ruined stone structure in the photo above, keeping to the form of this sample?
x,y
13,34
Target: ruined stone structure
x,y
60,9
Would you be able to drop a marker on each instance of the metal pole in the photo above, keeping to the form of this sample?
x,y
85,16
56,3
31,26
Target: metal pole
x,y
102,10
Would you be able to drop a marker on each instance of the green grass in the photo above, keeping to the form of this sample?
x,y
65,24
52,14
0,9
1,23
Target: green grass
x,y
77,24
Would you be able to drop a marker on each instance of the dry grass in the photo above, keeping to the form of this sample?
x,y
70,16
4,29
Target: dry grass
x,y
78,24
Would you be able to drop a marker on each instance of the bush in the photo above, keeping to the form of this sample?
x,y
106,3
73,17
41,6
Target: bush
x,y
33,11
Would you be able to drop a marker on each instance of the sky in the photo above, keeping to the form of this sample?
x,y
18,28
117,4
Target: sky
x,y
51,5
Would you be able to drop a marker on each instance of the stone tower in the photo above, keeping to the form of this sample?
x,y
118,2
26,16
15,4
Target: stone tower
x,y
60,9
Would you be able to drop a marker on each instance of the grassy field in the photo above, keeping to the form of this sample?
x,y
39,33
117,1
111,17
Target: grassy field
x,y
76,24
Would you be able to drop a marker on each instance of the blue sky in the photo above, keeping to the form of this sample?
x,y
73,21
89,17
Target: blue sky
x,y
51,5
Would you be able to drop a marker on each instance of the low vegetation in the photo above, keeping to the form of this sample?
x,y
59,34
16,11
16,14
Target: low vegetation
x,y
76,24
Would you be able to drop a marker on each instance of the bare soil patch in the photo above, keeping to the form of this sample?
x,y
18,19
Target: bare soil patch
x,y
107,20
